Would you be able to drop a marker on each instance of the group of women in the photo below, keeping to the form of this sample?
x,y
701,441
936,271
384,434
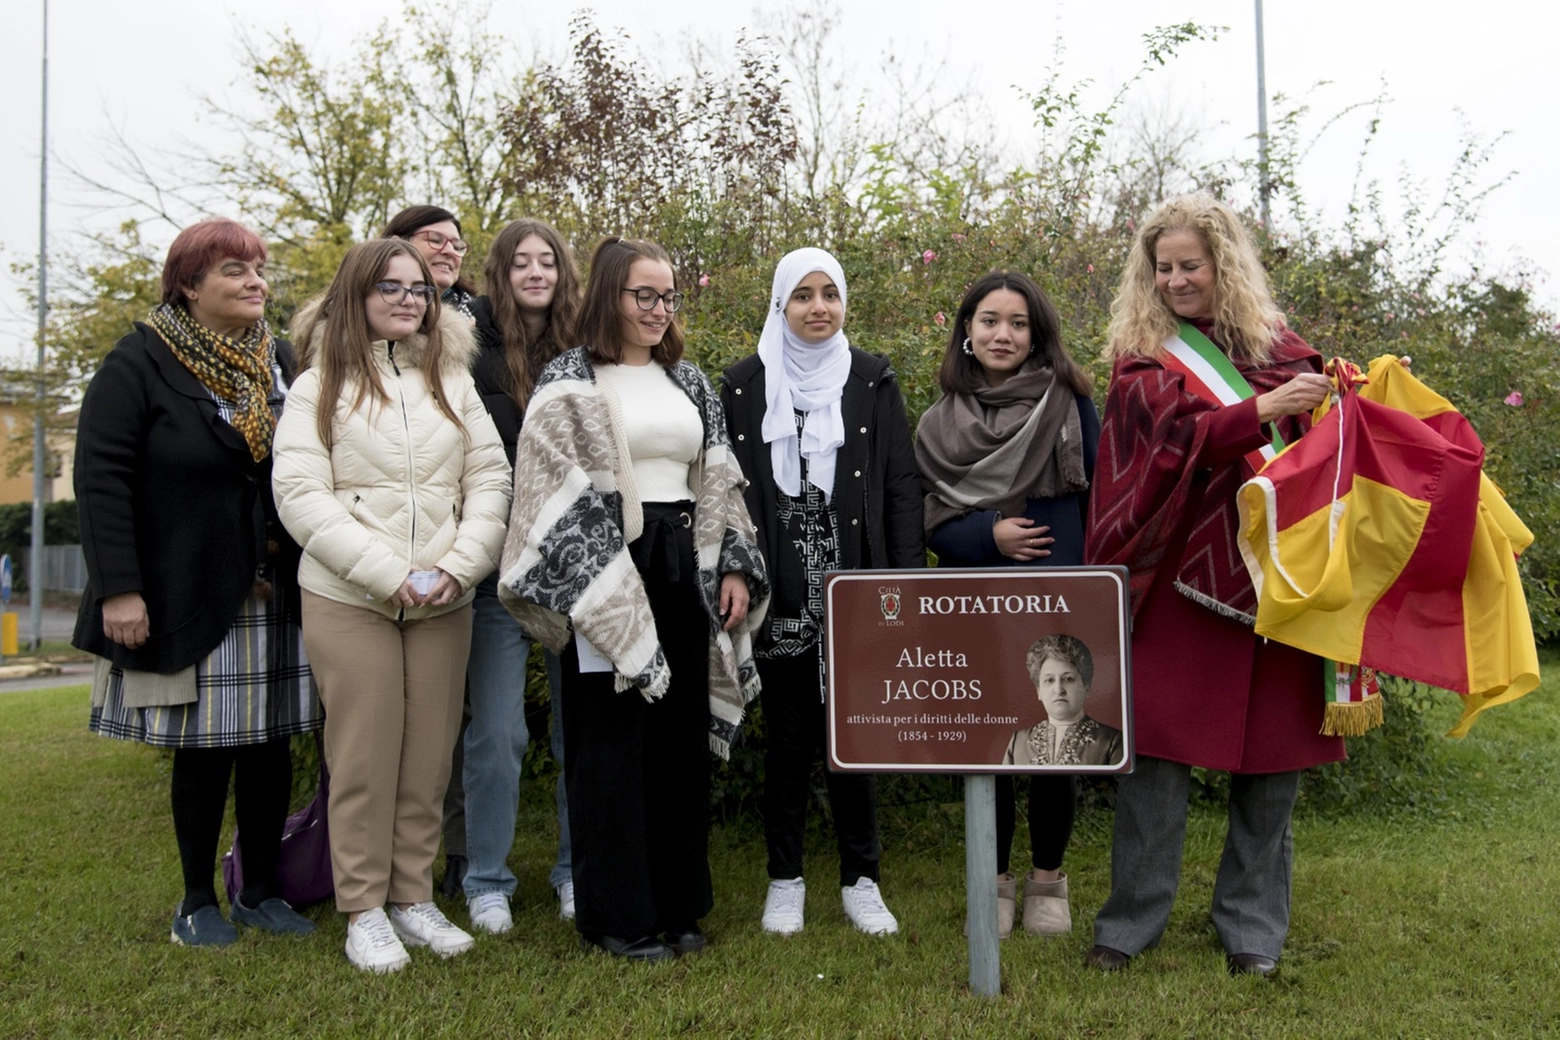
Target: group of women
x,y
437,478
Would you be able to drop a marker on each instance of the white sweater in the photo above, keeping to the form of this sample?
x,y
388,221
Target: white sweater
x,y
660,425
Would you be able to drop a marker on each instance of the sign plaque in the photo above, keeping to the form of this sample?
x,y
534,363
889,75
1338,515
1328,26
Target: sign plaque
x,y
979,670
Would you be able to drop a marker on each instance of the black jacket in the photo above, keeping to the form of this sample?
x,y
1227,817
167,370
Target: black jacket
x,y
172,506
877,487
491,374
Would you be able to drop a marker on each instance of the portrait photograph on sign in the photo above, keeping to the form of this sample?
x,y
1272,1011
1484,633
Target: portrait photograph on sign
x,y
979,670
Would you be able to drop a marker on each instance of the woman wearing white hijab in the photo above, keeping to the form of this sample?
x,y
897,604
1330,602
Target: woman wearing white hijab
x,y
819,428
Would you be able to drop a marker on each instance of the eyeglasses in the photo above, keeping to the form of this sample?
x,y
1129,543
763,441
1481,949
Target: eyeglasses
x,y
646,298
394,292
438,240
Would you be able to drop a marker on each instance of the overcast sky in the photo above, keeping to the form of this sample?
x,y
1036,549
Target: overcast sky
x,y
142,65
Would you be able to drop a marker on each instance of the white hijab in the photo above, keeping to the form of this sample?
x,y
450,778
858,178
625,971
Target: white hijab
x,y
803,377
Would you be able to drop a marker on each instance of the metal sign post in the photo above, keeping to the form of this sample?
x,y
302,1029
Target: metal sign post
x,y
980,882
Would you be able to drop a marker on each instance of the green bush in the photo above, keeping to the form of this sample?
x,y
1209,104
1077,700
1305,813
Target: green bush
x,y
1388,769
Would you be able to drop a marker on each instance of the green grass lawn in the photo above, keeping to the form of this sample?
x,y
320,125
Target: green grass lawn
x,y
1439,923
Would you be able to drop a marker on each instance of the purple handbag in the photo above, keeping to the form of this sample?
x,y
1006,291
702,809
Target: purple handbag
x,y
303,871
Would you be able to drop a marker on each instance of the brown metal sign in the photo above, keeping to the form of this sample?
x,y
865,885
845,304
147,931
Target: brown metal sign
x,y
979,670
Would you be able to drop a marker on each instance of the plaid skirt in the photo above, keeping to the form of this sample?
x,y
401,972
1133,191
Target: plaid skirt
x,y
256,686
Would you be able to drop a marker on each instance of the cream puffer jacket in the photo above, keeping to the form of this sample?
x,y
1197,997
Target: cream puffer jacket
x,y
400,488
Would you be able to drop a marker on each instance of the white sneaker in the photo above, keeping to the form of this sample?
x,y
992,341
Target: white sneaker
x,y
783,906
422,924
565,892
490,912
372,945
864,906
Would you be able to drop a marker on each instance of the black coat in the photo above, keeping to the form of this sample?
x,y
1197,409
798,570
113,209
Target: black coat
x,y
172,506
490,372
877,487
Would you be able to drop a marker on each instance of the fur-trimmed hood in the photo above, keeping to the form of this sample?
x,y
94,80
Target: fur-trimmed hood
x,y
307,330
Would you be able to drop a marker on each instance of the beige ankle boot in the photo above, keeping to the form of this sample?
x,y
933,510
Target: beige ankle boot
x,y
1007,906
1045,906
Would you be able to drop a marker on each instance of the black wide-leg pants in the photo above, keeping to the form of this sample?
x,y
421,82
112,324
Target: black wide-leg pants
x,y
637,771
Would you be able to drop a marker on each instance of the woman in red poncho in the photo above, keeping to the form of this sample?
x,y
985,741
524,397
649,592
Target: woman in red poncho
x,y
1205,375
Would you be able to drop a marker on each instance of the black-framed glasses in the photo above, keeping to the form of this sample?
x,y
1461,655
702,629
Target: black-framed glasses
x,y
394,292
646,298
438,240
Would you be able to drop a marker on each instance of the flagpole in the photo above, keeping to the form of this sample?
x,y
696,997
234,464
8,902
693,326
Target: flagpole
x,y
1262,128
35,558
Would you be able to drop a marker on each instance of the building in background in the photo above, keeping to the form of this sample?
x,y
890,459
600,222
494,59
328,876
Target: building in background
x,y
16,441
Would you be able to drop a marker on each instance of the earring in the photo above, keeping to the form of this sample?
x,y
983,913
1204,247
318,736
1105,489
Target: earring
x,y
969,351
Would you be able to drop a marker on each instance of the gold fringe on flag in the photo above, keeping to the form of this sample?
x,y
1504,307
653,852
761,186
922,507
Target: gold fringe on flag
x,y
1354,719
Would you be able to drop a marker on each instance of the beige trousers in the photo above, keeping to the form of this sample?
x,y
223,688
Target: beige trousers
x,y
392,696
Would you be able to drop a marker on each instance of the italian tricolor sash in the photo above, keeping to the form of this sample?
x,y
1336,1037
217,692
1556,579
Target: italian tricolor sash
x,y
1210,375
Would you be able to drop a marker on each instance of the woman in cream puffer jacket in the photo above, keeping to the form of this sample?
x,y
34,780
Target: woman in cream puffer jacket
x,y
404,490
390,475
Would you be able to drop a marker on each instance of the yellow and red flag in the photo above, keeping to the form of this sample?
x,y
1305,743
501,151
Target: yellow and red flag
x,y
1377,541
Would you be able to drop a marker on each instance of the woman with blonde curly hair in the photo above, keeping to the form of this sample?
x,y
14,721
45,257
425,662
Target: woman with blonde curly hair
x,y
1207,382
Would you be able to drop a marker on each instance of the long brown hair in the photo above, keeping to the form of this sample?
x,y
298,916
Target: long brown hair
x,y
344,347
962,374
601,320
526,357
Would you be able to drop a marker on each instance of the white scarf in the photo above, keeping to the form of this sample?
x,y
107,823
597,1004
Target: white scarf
x,y
803,377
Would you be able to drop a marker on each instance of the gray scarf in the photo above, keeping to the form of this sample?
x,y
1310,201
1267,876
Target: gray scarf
x,y
1000,446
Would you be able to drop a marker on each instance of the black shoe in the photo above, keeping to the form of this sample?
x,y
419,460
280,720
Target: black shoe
x,y
684,941
648,948
1105,958
1251,964
454,876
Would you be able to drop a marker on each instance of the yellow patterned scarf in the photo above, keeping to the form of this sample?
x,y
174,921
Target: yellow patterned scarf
x,y
237,370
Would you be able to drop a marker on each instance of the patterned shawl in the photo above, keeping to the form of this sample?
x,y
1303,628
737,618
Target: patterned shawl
x,y
1000,446
1145,483
566,563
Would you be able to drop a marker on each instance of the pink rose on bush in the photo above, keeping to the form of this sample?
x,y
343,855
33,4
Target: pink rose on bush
x,y
928,256
1514,399
940,318
704,280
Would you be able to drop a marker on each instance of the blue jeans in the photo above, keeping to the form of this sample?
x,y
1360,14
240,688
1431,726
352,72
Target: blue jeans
x,y
495,741
563,869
